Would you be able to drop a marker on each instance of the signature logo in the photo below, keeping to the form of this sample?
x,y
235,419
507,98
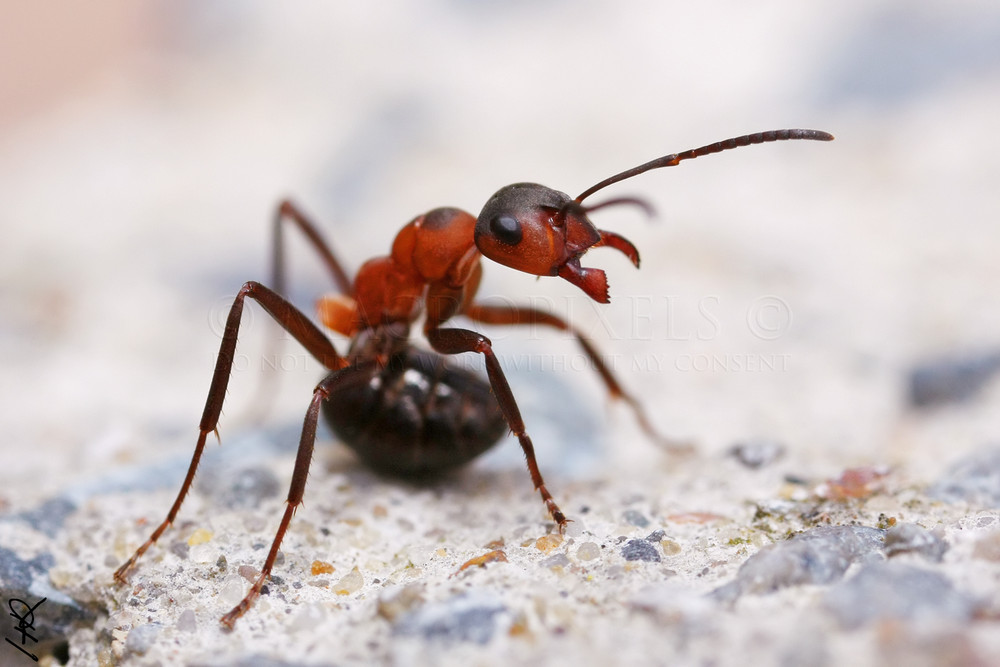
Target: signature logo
x,y
25,622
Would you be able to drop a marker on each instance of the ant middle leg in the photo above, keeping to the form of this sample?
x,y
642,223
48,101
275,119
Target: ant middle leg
x,y
522,315
457,341
293,321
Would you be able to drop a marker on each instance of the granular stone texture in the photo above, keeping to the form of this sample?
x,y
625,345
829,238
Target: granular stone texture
x,y
829,308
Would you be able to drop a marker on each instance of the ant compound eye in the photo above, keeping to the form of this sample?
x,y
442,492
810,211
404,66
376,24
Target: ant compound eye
x,y
506,229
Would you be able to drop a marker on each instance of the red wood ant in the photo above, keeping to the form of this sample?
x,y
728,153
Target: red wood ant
x,y
405,410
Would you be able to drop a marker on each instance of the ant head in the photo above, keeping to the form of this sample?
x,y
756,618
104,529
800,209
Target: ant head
x,y
542,231
538,230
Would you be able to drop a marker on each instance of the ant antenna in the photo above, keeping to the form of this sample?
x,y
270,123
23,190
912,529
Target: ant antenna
x,y
717,147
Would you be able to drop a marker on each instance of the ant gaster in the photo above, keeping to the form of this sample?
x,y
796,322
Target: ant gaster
x,y
405,410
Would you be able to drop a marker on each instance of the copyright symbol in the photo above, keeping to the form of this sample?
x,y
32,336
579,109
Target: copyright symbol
x,y
769,317
218,314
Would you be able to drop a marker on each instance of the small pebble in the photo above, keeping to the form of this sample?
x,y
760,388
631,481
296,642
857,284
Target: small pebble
x,y
557,561
232,590
321,567
248,572
895,591
670,547
187,622
180,549
204,553
951,380
988,547
635,518
308,617
547,543
349,583
142,638
588,551
392,602
469,617
860,482
640,550
911,538
199,536
757,453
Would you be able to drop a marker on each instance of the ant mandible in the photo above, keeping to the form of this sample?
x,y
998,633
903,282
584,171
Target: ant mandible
x,y
405,410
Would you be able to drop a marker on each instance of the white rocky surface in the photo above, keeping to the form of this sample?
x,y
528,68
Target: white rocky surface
x,y
786,293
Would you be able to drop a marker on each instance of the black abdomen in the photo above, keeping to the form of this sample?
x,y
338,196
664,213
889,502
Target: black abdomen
x,y
417,416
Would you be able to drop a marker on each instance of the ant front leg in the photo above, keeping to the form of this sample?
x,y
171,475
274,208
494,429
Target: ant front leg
x,y
521,315
457,341
293,321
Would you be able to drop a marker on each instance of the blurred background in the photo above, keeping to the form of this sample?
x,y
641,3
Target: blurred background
x,y
787,291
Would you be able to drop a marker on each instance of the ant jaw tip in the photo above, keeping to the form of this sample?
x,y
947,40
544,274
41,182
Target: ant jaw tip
x,y
592,281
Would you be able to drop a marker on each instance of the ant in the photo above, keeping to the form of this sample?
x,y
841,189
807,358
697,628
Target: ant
x,y
405,410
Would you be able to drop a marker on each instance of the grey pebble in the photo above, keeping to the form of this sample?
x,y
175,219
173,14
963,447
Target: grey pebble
x,y
142,638
757,453
48,517
180,548
239,488
974,479
911,538
256,660
817,556
640,550
635,518
16,574
951,379
896,591
559,560
469,617
187,622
